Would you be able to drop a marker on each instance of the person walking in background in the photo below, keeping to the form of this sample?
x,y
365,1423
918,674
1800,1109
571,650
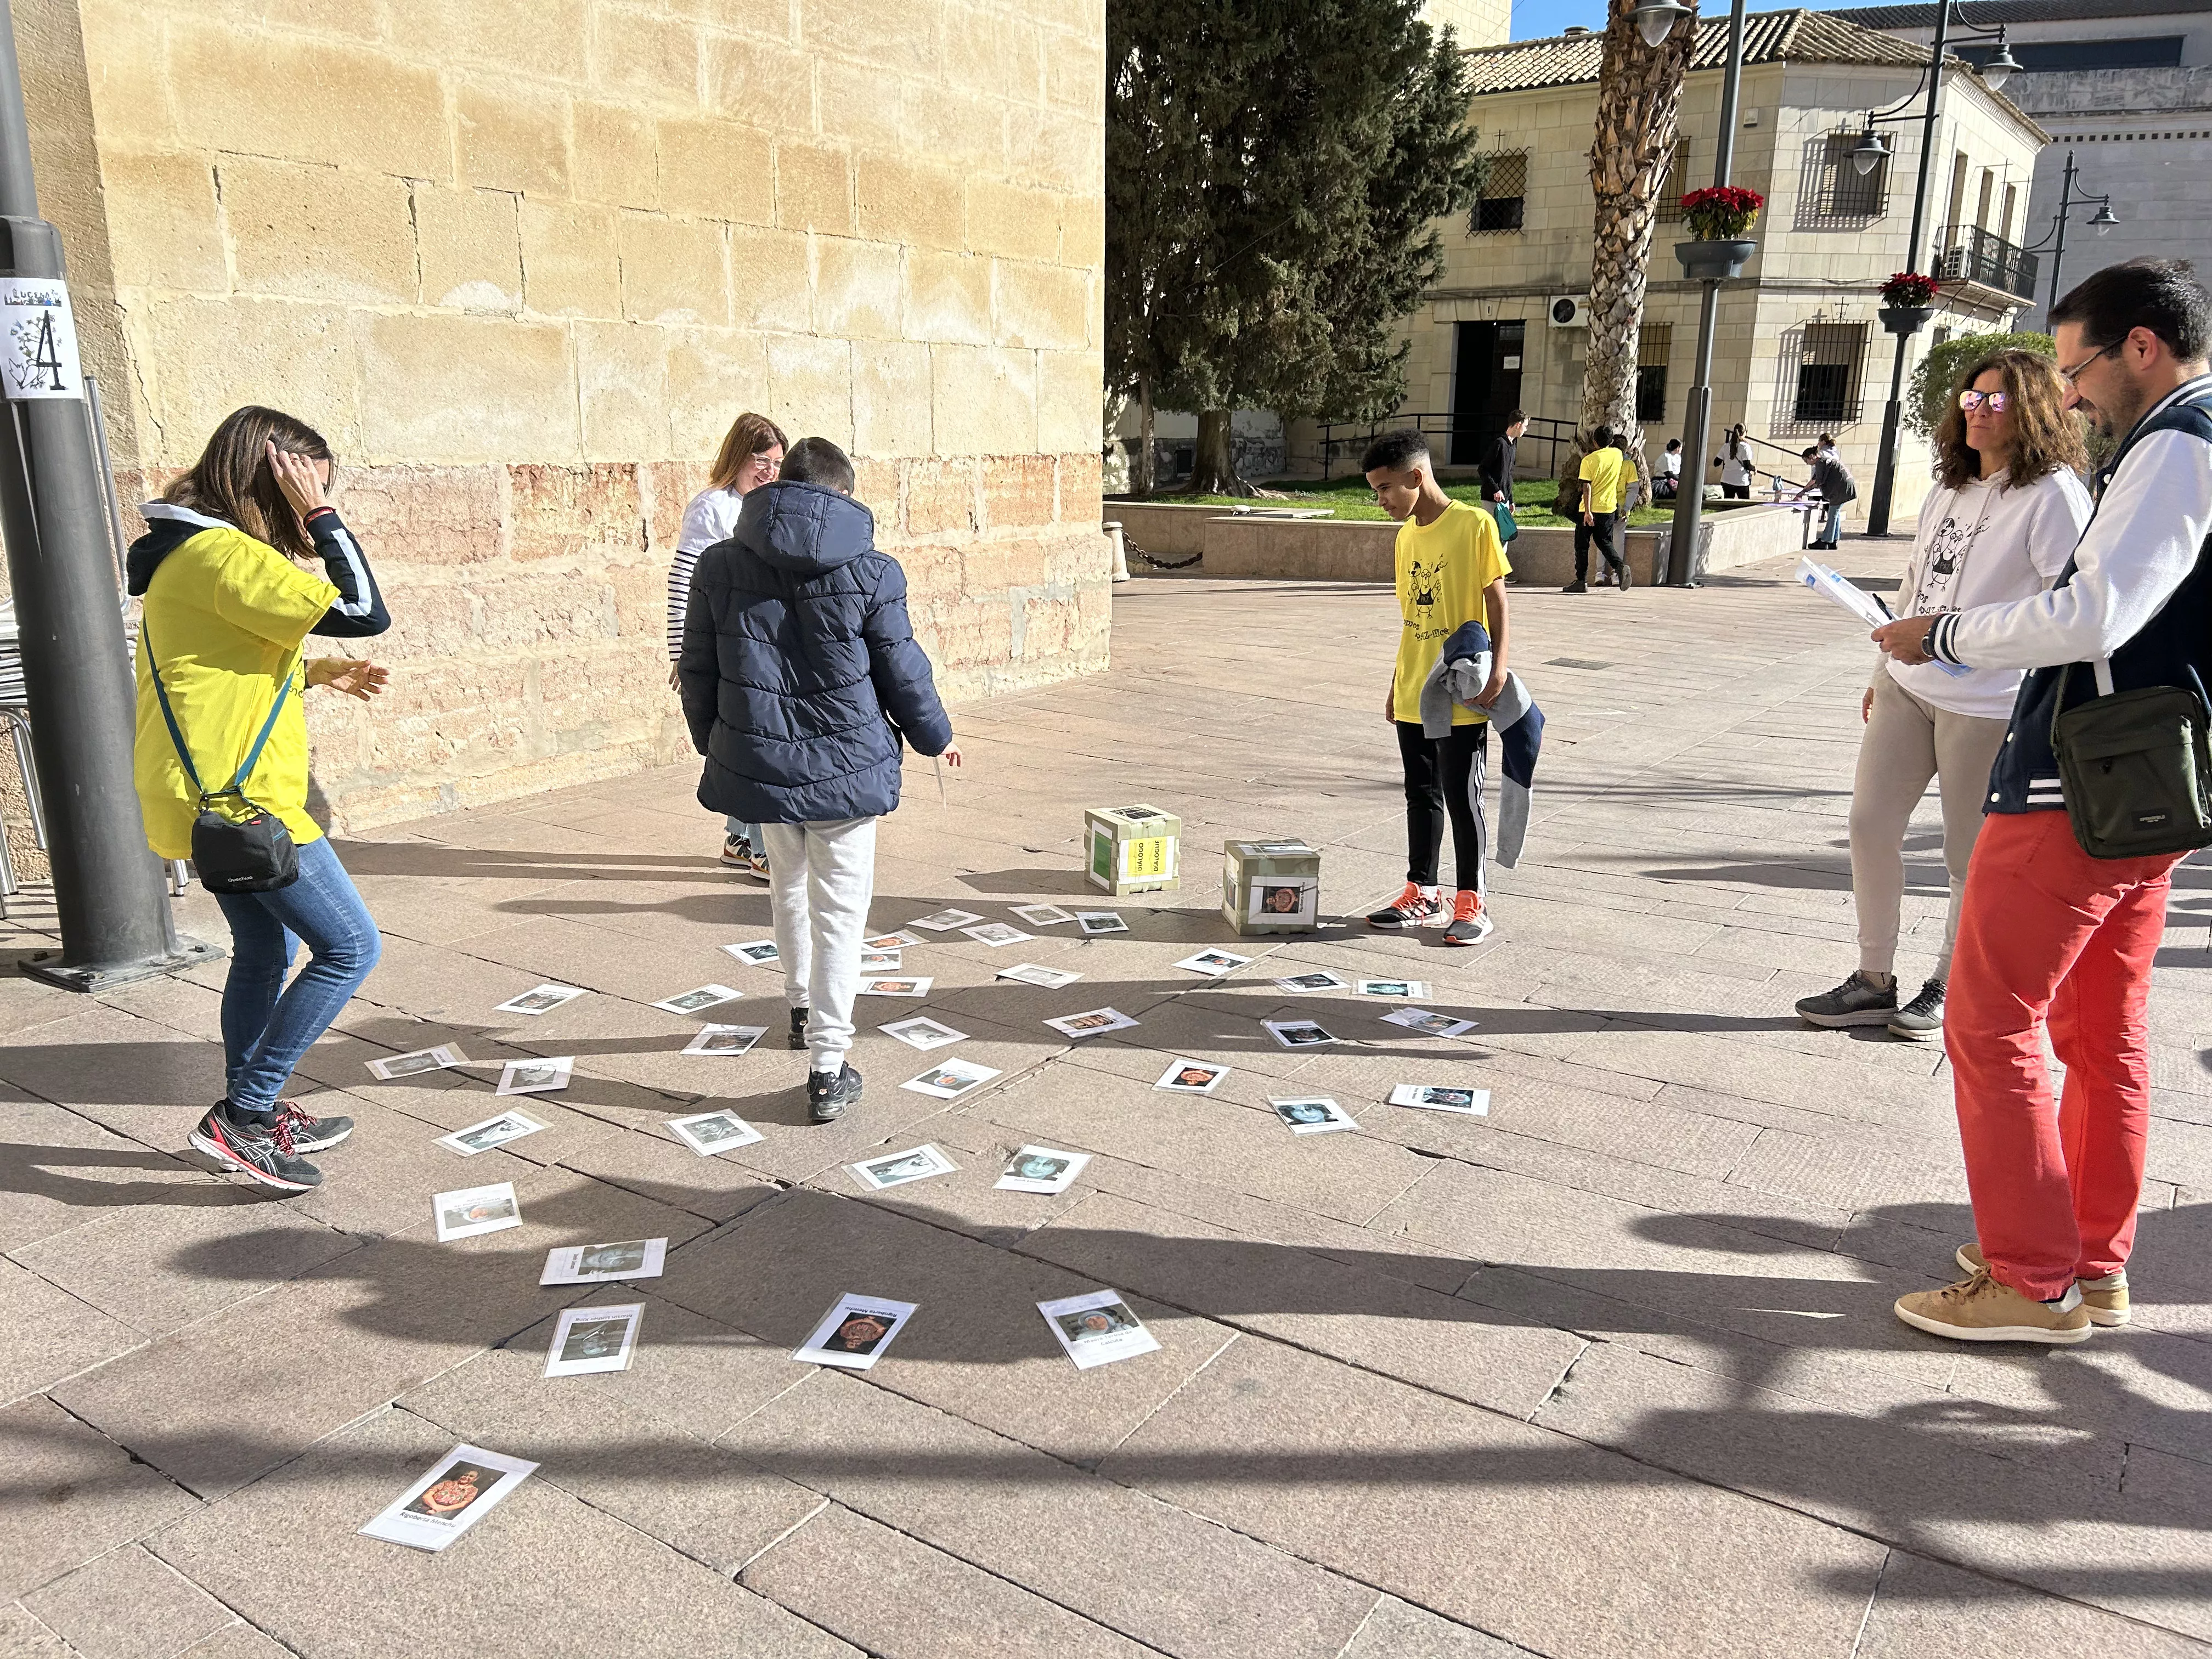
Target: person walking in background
x,y
1498,458
1832,486
1597,513
750,456
801,684
228,603
2048,936
2007,510
1735,465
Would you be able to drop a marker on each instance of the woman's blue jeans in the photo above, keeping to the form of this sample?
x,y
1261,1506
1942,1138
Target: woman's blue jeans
x,y
267,1025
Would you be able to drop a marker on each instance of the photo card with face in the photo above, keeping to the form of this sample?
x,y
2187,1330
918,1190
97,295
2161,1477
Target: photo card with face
x,y
997,934
1043,915
897,941
1097,1328
693,1002
1030,973
540,999
590,1340
1297,1033
950,1079
945,920
1311,1115
922,1033
710,1133
413,1064
881,962
474,1210
725,1039
1427,1022
896,1168
1402,990
492,1132
1439,1097
855,1333
462,1487
1307,984
596,1264
1191,1077
534,1077
1095,922
1212,962
758,952
1043,1169
895,987
1092,1022
1283,898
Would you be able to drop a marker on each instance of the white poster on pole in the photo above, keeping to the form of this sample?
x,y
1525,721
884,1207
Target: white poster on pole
x,y
38,340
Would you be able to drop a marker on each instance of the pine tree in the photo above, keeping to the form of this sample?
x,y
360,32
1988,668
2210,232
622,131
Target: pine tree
x,y
1274,172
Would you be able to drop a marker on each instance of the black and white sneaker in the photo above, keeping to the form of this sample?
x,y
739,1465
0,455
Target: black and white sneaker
x,y
1416,905
737,853
1858,1001
266,1155
1921,1020
311,1133
828,1094
796,1038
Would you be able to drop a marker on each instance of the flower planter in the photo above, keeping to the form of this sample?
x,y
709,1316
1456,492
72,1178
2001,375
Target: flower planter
x,y
1905,319
1713,261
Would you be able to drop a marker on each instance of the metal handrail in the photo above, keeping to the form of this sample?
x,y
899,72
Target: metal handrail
x,y
1437,424
1970,254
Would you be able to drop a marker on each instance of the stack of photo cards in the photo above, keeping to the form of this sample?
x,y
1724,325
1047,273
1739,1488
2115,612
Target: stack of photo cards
x,y
997,934
923,1033
1311,1115
1306,984
757,953
710,1133
1043,915
1211,963
1428,1023
855,1333
597,1264
1093,1022
411,1065
492,1132
895,987
1095,922
592,1339
1097,1328
1043,1169
725,1039
534,1077
461,1488
1406,990
1030,973
896,1168
1297,1033
540,999
1430,1097
951,1080
1191,1077
897,941
474,1210
945,920
698,1001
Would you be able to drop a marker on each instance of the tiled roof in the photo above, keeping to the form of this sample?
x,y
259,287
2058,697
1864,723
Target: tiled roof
x,y
1771,37
2022,11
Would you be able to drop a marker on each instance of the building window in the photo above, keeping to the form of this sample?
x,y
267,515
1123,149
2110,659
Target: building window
x,y
1834,194
2047,57
1653,345
1503,193
1828,359
1677,183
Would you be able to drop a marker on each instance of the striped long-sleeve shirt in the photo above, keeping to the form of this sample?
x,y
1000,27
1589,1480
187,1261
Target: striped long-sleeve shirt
x,y
712,517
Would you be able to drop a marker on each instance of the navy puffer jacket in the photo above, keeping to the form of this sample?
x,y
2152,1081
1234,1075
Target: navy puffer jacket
x,y
800,671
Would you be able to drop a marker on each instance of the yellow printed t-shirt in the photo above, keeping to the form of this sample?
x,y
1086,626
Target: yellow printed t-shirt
x,y
1602,469
226,614
1441,571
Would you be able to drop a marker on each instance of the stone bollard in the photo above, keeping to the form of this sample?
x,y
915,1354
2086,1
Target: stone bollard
x,y
1113,528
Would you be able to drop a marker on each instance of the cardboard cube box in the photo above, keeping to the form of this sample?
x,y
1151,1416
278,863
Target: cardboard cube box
x,y
1271,886
1132,849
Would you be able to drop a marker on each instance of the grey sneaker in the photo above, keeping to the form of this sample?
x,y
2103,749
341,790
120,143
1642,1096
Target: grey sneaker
x,y
1858,1001
1921,1020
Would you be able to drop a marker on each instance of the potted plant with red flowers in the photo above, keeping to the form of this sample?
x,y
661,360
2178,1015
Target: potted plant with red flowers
x,y
1908,300
1718,217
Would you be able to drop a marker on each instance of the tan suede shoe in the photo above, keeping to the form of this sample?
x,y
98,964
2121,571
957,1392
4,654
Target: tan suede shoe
x,y
1979,1309
2106,1299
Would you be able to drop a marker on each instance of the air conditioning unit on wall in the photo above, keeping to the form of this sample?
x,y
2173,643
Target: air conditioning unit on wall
x,y
1570,311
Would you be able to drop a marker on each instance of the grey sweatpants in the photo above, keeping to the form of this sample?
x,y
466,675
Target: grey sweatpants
x,y
821,877
1908,742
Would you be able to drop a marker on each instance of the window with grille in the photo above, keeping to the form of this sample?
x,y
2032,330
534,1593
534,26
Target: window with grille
x,y
1832,193
1654,344
1676,186
1828,373
1503,194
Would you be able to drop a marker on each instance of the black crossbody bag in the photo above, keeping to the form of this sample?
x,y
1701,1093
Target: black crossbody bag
x,y
2137,769
247,849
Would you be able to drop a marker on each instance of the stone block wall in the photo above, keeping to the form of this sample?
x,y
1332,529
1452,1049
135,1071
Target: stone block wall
x,y
523,261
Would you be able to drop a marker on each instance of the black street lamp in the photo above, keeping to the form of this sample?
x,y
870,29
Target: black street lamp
x,y
2068,198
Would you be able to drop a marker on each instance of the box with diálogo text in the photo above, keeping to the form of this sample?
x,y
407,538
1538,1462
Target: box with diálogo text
x,y
1271,886
1131,849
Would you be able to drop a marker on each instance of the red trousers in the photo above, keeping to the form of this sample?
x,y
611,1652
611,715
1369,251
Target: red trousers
x,y
2049,935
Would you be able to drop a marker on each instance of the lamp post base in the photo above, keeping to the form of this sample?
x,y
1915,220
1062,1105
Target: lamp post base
x,y
46,965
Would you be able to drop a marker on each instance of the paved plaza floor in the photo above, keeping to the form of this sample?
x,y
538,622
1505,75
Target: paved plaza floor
x,y
1610,1372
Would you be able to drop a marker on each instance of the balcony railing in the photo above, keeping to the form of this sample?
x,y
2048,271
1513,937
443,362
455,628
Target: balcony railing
x,y
1968,253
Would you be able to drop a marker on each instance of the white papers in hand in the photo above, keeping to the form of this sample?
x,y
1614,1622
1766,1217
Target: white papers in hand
x,y
1839,590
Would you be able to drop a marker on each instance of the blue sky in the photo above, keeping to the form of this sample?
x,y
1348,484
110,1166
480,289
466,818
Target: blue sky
x,y
1535,19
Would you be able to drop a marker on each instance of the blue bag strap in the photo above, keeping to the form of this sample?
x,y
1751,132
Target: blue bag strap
x,y
176,734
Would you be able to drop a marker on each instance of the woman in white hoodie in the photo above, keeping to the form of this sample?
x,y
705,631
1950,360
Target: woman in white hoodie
x,y
2000,524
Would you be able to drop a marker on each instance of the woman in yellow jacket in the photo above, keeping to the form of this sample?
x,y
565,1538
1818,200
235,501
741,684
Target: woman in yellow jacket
x,y
230,594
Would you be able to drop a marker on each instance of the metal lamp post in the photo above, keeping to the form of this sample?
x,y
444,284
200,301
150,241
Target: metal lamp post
x,y
2101,222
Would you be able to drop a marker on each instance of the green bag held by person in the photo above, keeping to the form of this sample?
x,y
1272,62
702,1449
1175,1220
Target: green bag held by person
x,y
2137,769
1507,528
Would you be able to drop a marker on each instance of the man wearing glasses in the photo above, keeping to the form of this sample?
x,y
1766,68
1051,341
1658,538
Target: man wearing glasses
x,y
2049,935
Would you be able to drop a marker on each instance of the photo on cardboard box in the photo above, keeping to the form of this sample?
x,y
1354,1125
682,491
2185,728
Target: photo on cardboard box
x,y
1283,899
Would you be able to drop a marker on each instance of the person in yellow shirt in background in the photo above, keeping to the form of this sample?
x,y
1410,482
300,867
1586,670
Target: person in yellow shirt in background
x,y
1451,570
1603,470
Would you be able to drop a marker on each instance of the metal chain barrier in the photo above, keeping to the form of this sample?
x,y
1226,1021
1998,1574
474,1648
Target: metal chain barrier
x,y
1137,552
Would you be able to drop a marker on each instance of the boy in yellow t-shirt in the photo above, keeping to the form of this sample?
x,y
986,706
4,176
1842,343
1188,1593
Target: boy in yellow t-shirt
x,y
1451,570
1603,471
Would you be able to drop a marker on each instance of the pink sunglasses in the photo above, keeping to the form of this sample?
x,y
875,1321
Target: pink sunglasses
x,y
1970,401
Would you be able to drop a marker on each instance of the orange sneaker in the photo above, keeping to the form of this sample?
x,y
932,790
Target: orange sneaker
x,y
1470,923
1416,905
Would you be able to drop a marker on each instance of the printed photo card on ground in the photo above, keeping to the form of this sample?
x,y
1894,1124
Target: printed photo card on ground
x,y
1043,1169
439,1058
534,1077
897,941
588,1340
1439,1098
462,1487
1414,990
729,1040
855,1333
1097,1328
923,1033
492,1132
950,1079
896,1168
1297,1033
1311,1115
1092,923
1307,984
1091,1023
1191,1077
540,999
895,987
710,1133
1427,1022
758,953
945,920
693,1002
474,1210
1030,973
1043,915
1211,962
596,1264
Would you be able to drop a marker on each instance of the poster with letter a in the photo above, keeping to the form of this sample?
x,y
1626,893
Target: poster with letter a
x,y
38,340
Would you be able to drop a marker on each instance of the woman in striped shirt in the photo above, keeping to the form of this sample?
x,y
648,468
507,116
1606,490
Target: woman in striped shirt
x,y
751,455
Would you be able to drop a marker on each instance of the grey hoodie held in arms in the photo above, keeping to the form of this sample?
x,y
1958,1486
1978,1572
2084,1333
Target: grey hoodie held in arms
x,y
1461,671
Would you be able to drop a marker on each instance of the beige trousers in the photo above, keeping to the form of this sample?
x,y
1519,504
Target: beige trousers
x,y
1908,742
